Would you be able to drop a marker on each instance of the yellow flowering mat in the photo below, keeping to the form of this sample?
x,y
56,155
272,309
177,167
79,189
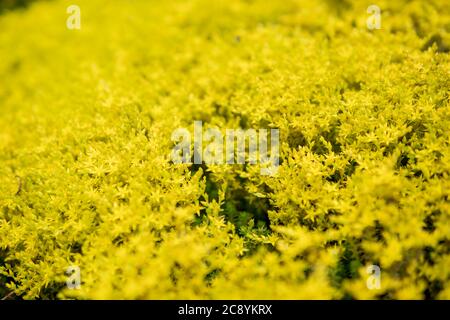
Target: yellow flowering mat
x,y
93,207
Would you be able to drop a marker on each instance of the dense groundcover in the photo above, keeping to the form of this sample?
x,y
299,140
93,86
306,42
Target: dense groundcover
x,y
86,177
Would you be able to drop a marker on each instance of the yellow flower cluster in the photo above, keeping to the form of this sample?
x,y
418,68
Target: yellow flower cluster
x,y
86,177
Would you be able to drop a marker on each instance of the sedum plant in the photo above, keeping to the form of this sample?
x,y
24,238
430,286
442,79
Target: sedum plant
x,y
86,177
